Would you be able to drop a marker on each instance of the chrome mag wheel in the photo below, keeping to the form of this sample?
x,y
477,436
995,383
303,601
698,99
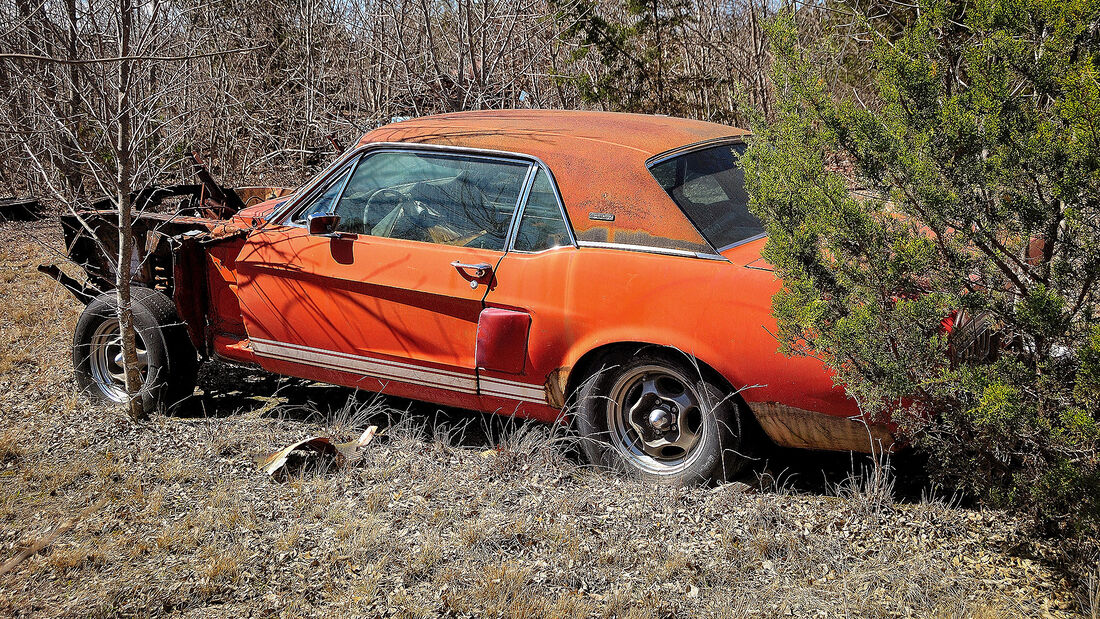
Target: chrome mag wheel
x,y
655,419
106,365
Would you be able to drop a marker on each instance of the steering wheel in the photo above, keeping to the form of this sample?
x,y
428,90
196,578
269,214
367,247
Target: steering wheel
x,y
382,203
409,219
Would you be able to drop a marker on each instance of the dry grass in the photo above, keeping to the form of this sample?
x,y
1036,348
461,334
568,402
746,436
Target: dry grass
x,y
448,514
12,447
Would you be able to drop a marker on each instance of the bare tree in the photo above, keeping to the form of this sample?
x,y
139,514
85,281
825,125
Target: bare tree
x,y
101,109
320,67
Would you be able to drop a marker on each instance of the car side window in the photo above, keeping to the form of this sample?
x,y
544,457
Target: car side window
x,y
442,198
542,225
324,201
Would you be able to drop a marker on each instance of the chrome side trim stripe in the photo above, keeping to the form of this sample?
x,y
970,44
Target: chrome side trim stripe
x,y
377,368
512,389
396,370
652,250
354,357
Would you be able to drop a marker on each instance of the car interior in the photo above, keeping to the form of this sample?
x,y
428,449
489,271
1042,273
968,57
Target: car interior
x,y
542,226
447,200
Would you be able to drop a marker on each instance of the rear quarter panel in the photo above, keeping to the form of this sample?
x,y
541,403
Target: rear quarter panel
x,y
717,311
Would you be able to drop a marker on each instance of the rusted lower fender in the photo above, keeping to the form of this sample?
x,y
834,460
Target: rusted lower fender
x,y
794,427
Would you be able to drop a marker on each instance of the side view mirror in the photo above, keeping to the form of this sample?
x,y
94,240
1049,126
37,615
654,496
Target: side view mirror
x,y
323,224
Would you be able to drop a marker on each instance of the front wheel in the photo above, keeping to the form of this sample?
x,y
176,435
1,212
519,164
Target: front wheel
x,y
657,416
167,361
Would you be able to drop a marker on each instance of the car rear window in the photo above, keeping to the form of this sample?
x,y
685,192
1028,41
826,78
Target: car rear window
x,y
709,186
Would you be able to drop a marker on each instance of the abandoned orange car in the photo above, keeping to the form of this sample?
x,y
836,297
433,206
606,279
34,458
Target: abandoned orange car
x,y
599,267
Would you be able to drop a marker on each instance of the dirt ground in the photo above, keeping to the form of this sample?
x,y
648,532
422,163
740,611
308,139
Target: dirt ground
x,y
449,513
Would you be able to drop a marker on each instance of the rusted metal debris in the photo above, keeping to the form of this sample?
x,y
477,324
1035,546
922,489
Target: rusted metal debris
x,y
81,291
20,209
171,225
345,454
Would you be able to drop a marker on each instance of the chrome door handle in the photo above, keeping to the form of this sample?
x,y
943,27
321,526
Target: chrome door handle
x,y
481,272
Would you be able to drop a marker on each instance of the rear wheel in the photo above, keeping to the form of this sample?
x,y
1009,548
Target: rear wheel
x,y
105,360
657,416
167,361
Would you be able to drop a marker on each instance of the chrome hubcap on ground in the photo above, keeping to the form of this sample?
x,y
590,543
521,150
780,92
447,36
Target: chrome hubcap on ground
x,y
106,360
655,419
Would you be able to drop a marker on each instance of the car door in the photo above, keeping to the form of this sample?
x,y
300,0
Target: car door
x,y
390,299
528,325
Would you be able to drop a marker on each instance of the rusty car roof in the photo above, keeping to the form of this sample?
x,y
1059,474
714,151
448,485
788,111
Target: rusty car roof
x,y
541,131
598,160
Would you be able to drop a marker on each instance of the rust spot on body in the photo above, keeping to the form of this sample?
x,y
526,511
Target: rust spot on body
x,y
555,386
802,429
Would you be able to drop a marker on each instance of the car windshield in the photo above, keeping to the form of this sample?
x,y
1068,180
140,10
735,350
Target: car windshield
x,y
709,186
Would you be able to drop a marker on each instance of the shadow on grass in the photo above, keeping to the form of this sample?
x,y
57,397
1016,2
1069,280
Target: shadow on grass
x,y
227,390
821,472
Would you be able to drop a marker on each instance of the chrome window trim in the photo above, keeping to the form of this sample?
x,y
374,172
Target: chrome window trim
x,y
298,199
654,250
690,148
340,196
514,157
527,176
523,209
521,200
522,252
294,202
316,192
743,241
307,195
521,206
363,151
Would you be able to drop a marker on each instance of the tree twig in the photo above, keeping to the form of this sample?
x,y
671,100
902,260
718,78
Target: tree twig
x,y
14,56
44,541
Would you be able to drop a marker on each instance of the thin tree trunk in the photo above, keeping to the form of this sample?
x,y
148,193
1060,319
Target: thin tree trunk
x,y
70,166
124,152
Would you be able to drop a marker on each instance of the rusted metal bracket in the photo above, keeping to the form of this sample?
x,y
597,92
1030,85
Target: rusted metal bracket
x,y
83,293
220,201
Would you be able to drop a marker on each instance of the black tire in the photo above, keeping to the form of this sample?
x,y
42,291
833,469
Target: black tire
x,y
615,441
171,362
